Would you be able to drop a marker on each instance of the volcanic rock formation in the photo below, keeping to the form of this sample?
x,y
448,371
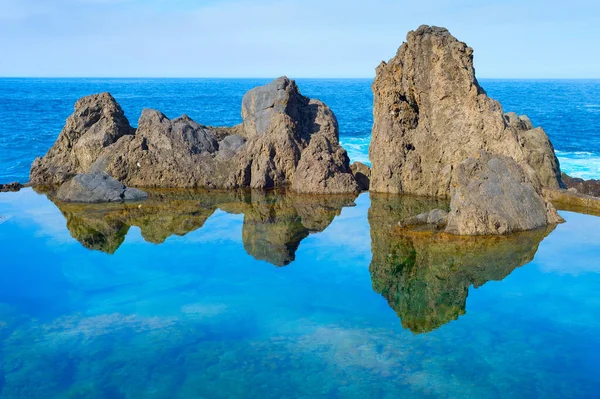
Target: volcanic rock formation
x,y
282,133
431,117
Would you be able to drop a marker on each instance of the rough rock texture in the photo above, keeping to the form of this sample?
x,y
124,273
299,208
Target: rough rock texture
x,y
14,187
572,201
282,132
362,175
98,122
97,187
492,195
585,187
430,114
324,169
275,222
426,276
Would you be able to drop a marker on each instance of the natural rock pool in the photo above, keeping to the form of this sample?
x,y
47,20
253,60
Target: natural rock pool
x,y
240,294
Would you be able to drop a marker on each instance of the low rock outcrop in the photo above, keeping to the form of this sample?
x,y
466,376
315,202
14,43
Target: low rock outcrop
x,y
97,187
586,187
573,201
284,137
10,187
431,116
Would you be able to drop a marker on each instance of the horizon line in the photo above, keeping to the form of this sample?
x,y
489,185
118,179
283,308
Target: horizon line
x,y
272,77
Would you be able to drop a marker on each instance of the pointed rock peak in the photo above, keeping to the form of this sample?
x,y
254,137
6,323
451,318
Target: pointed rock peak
x,y
431,30
184,119
149,114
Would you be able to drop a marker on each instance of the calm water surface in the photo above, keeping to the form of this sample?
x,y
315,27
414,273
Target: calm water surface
x,y
274,295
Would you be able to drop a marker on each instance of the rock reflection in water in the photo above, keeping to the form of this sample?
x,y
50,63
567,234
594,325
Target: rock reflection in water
x,y
274,222
424,275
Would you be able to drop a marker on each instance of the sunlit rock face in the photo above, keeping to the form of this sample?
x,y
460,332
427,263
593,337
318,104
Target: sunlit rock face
x,y
433,121
425,275
286,139
274,222
430,114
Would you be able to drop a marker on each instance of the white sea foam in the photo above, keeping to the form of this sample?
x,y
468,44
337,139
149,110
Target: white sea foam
x,y
357,148
583,164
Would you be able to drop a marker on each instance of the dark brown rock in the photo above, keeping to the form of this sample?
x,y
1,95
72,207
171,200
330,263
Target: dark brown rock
x,y
10,187
362,175
585,187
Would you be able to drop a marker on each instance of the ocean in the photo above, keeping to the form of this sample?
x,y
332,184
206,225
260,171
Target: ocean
x,y
33,111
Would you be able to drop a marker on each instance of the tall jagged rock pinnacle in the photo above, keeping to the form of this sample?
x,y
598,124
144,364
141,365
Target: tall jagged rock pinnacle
x,y
430,114
431,117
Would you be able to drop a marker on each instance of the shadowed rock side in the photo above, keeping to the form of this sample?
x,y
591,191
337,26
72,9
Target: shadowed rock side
x,y
431,116
362,175
282,133
425,276
10,187
97,187
274,223
586,187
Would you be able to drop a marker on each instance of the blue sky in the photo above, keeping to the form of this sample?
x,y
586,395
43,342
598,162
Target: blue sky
x,y
304,38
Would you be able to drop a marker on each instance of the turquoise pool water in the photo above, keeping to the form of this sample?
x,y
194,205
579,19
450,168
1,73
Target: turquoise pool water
x,y
229,295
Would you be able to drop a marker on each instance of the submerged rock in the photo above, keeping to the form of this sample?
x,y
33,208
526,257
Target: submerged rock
x,y
437,218
431,116
10,187
97,187
282,132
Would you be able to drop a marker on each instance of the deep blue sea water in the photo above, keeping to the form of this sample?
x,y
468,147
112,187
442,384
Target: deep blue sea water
x,y
274,295
33,111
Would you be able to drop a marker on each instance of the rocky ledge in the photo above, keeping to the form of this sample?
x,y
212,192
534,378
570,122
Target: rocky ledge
x,y
586,187
437,133
10,187
285,139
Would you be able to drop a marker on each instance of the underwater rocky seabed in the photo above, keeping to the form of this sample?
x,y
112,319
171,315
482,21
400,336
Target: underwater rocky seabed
x,y
252,294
